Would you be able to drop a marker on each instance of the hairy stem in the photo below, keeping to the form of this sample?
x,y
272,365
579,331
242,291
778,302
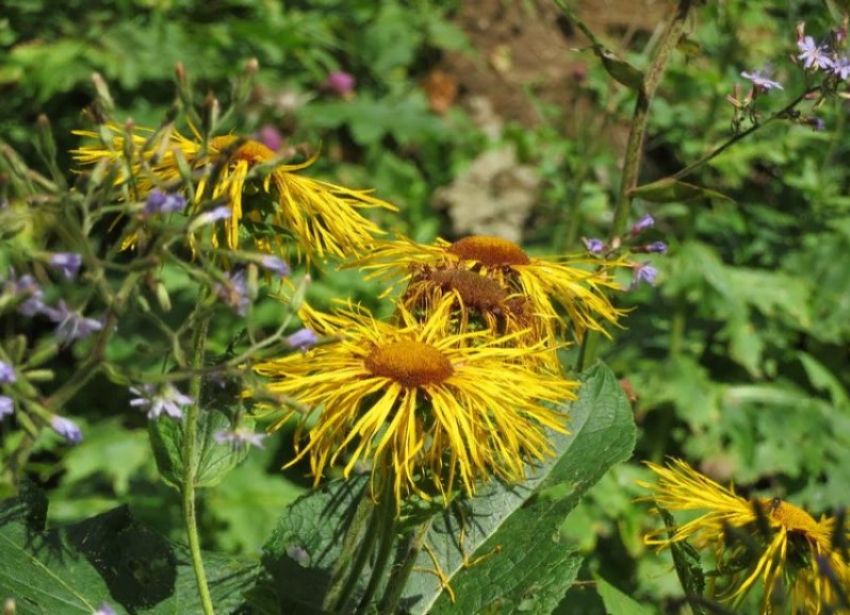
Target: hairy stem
x,y
400,575
190,469
386,539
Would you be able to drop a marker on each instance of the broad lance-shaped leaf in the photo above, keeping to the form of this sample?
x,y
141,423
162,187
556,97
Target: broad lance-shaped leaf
x,y
510,532
618,603
109,558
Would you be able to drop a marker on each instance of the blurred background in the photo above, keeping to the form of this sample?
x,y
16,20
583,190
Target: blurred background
x,y
491,116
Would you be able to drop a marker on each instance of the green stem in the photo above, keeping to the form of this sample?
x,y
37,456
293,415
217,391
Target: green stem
x,y
782,113
400,575
386,529
190,469
637,133
344,577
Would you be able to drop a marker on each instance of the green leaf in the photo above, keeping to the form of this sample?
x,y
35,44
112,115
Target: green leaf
x,y
109,558
669,190
688,565
618,603
214,460
511,531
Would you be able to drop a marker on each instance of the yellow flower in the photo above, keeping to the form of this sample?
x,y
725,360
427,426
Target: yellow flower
x,y
792,551
423,404
544,284
324,218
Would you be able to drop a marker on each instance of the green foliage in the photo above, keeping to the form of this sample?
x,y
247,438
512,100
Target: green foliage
x,y
108,558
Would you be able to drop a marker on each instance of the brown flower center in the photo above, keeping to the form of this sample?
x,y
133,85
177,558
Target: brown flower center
x,y
792,518
251,151
409,363
475,290
489,251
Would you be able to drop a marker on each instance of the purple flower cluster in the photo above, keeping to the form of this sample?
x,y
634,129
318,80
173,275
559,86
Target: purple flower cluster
x,y
68,263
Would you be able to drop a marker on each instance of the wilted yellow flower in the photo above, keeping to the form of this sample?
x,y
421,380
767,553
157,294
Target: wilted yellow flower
x,y
324,218
423,404
544,283
791,553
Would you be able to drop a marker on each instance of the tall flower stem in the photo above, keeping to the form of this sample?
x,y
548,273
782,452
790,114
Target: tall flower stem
x,y
386,540
637,133
190,469
401,573
344,576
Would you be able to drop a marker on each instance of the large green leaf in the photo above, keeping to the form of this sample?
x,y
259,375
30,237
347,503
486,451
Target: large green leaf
x,y
525,565
109,558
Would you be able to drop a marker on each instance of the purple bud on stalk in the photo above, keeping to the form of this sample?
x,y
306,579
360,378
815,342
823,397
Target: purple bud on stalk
x,y
646,222
161,203
67,429
275,265
7,373
68,263
658,247
302,340
593,245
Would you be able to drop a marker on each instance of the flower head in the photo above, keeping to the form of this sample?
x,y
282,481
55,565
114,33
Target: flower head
x,y
324,219
643,272
71,324
7,373
543,284
7,406
25,286
790,549
240,438
814,56
66,428
340,83
430,408
160,399
841,68
593,245
159,202
302,340
761,79
68,263
235,292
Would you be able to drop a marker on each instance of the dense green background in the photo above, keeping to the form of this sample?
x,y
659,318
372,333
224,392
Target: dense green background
x,y
739,356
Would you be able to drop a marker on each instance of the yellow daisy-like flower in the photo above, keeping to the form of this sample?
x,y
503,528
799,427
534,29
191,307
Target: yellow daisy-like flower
x,y
324,218
544,283
796,547
482,302
423,404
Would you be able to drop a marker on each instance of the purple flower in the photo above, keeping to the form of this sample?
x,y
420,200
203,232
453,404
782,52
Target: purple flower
x,y
28,287
7,373
105,609
7,406
303,339
240,438
817,124
275,265
643,272
67,429
161,203
593,245
761,79
646,222
235,292
814,56
222,212
659,247
68,263
841,68
340,83
270,137
72,325
159,399
298,553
